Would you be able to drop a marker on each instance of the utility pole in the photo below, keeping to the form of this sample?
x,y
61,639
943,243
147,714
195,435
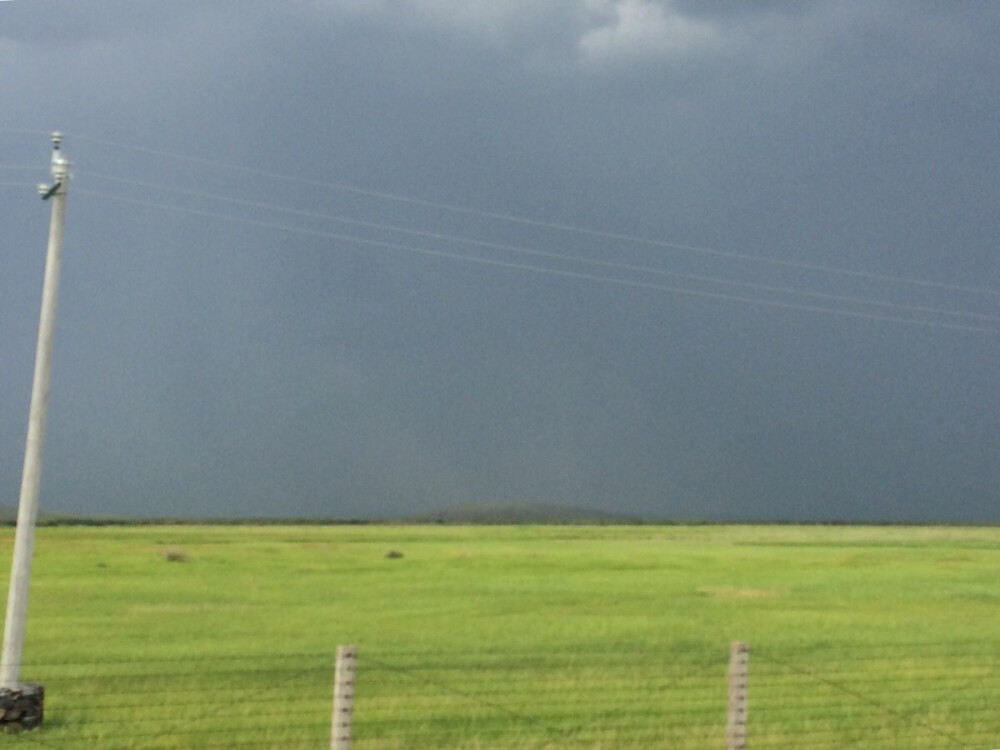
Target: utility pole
x,y
27,510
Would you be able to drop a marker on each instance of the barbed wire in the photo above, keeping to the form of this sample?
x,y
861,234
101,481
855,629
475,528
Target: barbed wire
x,y
932,695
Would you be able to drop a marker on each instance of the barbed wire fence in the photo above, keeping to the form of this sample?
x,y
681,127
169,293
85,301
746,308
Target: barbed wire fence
x,y
259,701
920,695
596,697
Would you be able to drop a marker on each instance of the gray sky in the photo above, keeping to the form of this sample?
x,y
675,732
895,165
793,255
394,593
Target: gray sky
x,y
218,354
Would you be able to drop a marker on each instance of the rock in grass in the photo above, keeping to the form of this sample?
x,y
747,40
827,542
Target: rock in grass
x,y
172,554
21,708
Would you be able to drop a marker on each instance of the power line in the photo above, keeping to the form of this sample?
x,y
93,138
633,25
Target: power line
x,y
26,131
607,264
614,265
540,269
512,218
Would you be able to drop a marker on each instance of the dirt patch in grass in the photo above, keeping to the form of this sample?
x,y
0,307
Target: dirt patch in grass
x,y
731,592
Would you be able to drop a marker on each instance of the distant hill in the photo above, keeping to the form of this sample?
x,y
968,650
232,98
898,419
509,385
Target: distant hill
x,y
521,512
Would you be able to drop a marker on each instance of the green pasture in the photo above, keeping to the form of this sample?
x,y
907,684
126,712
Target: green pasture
x,y
514,637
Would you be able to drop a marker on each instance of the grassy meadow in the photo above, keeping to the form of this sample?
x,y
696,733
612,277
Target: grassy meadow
x,y
514,636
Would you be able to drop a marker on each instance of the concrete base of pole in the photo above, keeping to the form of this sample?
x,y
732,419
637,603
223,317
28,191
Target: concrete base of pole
x,y
21,708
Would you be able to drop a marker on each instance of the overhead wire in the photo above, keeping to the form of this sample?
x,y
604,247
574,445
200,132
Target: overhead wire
x,y
979,318
611,265
538,269
20,168
513,218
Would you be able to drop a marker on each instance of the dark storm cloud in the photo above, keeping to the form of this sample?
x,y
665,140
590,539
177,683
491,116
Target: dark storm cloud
x,y
206,367
49,23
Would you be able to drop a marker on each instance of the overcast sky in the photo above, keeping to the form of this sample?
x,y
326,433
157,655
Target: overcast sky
x,y
678,258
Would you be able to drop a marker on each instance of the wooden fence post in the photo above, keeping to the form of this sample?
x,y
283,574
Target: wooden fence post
x,y
736,724
343,697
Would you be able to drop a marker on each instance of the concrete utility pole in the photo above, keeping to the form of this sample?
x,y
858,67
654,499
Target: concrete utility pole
x,y
27,510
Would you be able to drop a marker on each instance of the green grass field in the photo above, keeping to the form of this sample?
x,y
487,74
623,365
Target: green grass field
x,y
514,637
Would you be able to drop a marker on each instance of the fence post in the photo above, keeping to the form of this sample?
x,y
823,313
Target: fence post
x,y
736,724
343,697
